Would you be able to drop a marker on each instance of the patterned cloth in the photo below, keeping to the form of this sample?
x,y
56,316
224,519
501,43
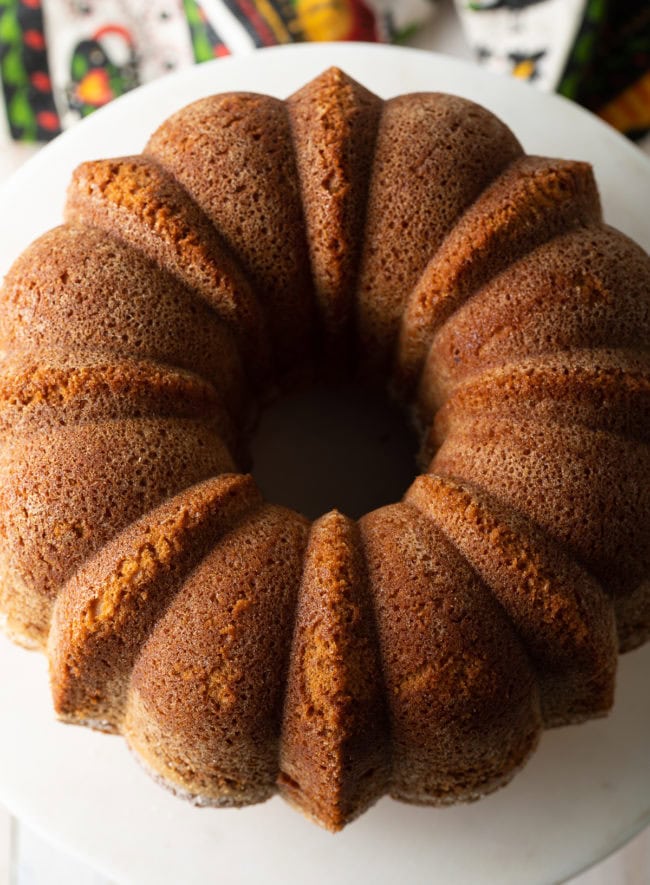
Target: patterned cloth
x,y
62,59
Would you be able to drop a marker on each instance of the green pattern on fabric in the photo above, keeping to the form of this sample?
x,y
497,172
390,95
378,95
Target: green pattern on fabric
x,y
623,55
78,67
15,77
9,27
405,34
618,60
13,72
584,48
201,34
22,116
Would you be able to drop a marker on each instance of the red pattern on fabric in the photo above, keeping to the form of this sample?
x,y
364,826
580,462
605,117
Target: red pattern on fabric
x,y
34,39
251,12
40,81
121,31
365,23
48,120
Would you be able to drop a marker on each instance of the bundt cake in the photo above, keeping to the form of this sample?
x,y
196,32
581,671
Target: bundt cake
x,y
256,244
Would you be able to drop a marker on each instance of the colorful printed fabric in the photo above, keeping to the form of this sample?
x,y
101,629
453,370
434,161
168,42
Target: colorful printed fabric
x,y
596,52
62,59
613,77
530,39
31,111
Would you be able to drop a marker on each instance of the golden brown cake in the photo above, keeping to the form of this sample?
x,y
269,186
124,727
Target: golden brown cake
x,y
240,649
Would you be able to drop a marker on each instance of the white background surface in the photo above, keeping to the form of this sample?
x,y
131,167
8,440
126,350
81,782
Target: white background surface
x,y
87,755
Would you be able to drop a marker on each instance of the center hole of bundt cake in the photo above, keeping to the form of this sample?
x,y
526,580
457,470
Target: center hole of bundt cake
x,y
344,447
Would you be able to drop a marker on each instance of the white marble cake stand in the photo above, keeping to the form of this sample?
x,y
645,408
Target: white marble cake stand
x,y
585,792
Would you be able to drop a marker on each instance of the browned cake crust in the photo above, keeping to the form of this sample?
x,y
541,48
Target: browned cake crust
x,y
241,650
234,155
335,755
568,490
133,199
534,199
50,522
560,612
106,612
75,289
56,388
588,289
334,126
464,706
204,707
566,388
434,156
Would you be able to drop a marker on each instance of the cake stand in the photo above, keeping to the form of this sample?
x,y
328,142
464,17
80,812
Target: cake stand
x,y
587,789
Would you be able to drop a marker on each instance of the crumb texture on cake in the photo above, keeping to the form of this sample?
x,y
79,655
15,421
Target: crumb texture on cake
x,y
259,244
